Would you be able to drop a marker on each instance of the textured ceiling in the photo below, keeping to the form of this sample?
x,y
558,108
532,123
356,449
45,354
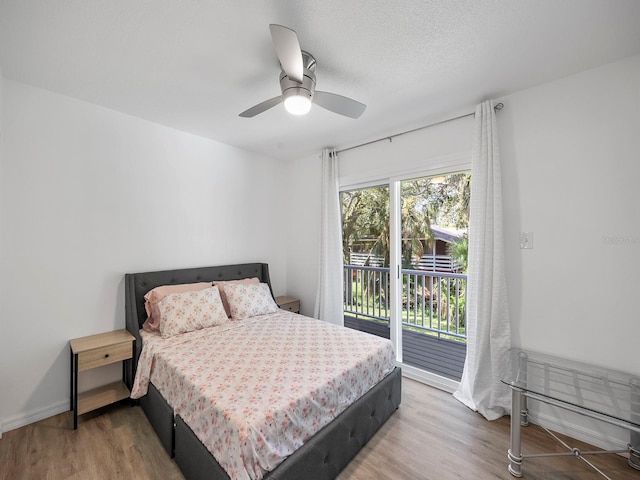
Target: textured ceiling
x,y
195,64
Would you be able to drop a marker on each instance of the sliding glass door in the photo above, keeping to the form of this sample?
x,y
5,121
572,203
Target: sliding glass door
x,y
404,246
433,215
366,249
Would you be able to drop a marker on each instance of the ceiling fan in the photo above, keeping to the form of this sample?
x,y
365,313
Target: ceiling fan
x,y
298,81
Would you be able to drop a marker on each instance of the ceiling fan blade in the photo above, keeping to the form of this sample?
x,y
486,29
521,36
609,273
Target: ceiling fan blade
x,y
339,104
261,107
288,50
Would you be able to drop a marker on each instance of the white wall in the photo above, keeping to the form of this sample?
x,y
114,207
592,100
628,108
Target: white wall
x,y
570,156
570,163
303,231
89,194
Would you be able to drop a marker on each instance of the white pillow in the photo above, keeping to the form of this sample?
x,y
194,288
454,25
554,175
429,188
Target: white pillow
x,y
188,311
249,300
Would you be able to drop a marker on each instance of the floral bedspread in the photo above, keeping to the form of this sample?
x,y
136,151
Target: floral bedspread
x,y
253,391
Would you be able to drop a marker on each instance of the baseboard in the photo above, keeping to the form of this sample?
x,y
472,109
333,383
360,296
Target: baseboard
x,y
429,378
27,418
579,432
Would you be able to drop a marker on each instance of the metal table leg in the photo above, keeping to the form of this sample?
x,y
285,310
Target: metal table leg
x,y
515,449
522,380
634,443
634,453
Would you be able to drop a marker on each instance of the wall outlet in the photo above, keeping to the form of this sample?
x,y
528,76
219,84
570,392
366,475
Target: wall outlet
x,y
526,240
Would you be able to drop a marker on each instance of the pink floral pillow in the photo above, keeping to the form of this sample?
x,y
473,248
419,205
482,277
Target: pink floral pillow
x,y
153,297
188,311
249,300
222,284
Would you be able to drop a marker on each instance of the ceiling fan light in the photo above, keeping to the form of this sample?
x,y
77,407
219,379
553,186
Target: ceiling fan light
x,y
297,104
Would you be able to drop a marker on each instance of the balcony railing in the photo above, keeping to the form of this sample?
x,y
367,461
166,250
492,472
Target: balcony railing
x,y
439,263
432,302
434,263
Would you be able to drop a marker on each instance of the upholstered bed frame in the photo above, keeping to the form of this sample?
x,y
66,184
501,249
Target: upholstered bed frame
x,y
322,457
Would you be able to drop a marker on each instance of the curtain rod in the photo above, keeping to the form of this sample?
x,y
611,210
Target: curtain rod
x,y
497,108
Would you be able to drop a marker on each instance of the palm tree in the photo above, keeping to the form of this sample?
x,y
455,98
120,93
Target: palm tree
x,y
365,222
459,251
414,223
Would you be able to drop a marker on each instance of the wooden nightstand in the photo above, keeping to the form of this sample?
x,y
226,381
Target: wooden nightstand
x,y
289,303
95,351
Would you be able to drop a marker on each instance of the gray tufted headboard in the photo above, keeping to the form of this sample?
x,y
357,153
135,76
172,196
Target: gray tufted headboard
x,y
138,284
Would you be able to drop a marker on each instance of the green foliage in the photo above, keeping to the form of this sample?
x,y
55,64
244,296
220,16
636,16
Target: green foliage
x,y
442,200
449,200
459,251
365,222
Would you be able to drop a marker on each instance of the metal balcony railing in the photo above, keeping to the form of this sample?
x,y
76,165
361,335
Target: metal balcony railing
x,y
434,263
432,302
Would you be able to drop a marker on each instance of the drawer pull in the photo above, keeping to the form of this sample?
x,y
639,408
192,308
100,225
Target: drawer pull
x,y
106,355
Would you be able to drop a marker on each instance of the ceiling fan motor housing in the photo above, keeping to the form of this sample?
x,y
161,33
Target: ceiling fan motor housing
x,y
298,82
307,87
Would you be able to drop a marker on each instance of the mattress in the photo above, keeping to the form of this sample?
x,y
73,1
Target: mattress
x,y
253,391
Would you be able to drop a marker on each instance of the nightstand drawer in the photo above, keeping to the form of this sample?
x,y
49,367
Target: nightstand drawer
x,y
104,355
291,307
288,303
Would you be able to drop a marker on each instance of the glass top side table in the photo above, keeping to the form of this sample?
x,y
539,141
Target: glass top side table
x,y
607,395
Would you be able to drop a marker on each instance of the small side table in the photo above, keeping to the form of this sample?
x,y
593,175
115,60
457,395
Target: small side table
x,y
602,394
288,303
95,351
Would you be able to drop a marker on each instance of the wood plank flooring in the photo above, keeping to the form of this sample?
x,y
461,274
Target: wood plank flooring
x,y
431,436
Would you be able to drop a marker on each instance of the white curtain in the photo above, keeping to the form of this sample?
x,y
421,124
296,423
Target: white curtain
x,y
488,324
329,296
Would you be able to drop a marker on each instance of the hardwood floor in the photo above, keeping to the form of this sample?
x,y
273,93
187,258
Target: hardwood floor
x,y
431,436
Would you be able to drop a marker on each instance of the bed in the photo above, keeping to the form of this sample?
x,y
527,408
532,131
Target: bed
x,y
321,457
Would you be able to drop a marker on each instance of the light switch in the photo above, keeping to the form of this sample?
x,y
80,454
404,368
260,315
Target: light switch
x,y
526,240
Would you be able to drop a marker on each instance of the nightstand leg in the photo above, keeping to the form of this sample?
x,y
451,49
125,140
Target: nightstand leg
x,y
75,391
129,383
71,380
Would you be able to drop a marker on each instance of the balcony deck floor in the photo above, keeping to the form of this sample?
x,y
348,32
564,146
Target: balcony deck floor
x,y
427,352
